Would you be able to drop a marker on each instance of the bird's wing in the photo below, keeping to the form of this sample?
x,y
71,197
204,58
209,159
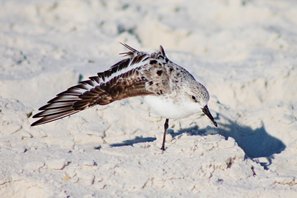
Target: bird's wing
x,y
124,79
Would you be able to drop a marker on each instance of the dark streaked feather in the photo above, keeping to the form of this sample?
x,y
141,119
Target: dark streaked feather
x,y
125,85
162,51
47,119
101,89
131,52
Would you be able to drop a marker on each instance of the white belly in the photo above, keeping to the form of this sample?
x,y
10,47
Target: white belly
x,y
169,108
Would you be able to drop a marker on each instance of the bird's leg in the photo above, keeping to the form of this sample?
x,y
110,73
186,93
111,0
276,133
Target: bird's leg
x,y
164,135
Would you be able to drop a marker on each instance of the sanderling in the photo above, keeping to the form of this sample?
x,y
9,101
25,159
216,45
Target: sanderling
x,y
169,89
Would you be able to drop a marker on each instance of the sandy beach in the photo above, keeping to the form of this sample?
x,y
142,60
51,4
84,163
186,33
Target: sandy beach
x,y
244,51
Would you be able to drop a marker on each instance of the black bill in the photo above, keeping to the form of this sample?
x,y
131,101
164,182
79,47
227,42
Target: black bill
x,y
206,112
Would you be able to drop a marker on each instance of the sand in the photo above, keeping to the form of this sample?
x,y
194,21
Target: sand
x,y
244,51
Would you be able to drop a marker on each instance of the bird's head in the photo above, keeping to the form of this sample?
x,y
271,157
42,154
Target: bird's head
x,y
200,96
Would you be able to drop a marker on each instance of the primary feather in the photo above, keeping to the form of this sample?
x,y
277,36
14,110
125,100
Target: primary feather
x,y
124,79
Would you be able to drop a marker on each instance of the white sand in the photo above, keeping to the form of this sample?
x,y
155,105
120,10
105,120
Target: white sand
x,y
244,51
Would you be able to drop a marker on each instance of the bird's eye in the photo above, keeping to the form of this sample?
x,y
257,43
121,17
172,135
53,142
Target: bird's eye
x,y
194,98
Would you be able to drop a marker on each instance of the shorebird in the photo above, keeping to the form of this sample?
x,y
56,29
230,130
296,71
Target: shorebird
x,y
169,89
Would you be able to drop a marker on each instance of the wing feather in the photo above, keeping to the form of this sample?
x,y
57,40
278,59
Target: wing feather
x,y
124,79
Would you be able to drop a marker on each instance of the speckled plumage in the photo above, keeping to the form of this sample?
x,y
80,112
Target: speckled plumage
x,y
168,88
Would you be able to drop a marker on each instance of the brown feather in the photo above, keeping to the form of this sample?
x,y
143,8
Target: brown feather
x,y
97,90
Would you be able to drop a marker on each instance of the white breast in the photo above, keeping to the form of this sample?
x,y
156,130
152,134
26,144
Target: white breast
x,y
171,108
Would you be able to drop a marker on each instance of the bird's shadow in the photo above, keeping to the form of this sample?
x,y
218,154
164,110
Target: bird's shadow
x,y
255,143
136,140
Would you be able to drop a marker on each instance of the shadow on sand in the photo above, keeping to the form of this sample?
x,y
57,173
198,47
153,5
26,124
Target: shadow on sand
x,y
136,140
254,142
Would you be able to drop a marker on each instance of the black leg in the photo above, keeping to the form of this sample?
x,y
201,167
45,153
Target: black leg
x,y
164,135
